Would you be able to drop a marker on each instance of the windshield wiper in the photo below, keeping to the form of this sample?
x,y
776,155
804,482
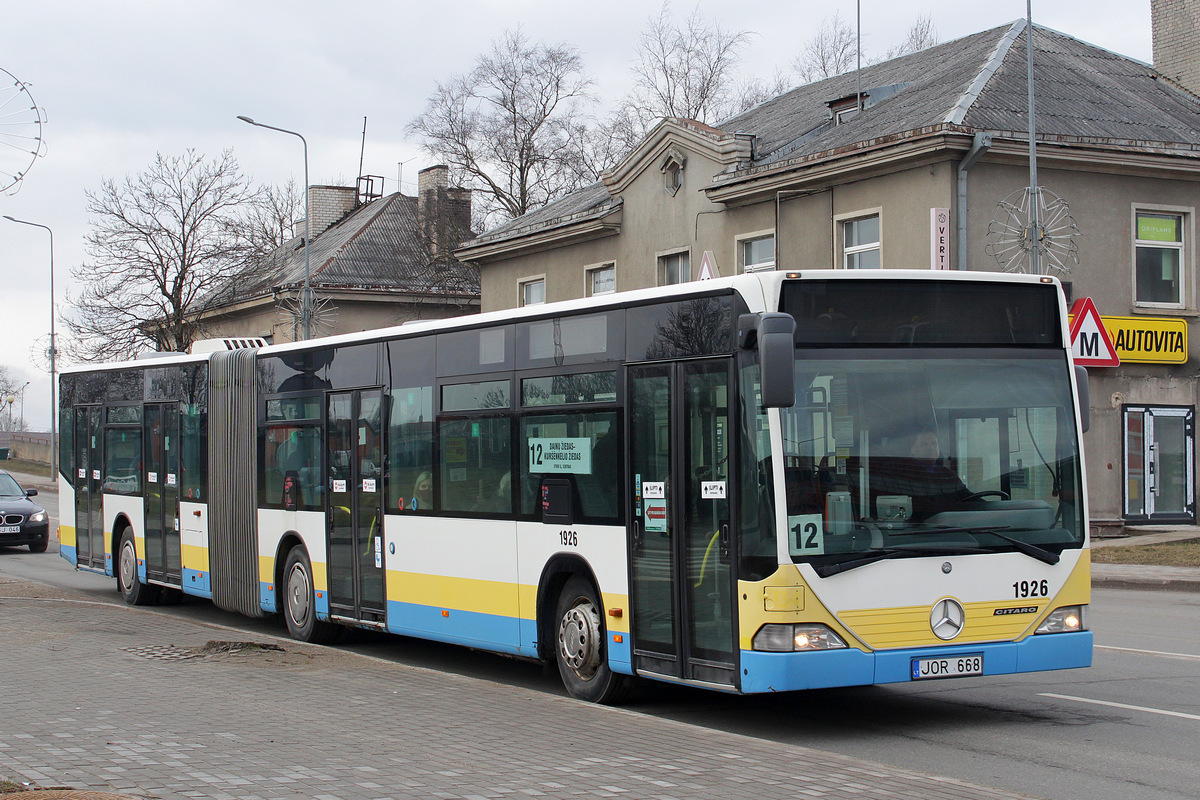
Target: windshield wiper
x,y
895,551
1031,550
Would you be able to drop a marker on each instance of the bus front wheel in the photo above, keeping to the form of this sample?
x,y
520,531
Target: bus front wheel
x,y
579,646
299,602
133,591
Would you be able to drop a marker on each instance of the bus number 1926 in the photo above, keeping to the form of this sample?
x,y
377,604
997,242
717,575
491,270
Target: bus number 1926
x,y
568,538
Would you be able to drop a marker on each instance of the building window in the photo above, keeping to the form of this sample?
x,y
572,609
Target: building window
x,y
602,280
674,268
533,292
757,253
1159,259
860,237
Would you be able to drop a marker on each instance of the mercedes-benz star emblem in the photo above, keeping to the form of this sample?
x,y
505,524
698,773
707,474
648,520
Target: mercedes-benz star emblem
x,y
947,619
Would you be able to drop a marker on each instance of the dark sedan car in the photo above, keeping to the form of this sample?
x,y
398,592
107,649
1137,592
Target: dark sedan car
x,y
22,521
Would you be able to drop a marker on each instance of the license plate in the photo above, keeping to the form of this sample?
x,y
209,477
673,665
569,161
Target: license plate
x,y
947,667
10,528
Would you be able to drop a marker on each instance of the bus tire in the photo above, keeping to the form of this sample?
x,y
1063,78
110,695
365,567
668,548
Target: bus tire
x,y
133,591
579,646
300,602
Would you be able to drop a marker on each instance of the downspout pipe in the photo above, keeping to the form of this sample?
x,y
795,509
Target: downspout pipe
x,y
981,144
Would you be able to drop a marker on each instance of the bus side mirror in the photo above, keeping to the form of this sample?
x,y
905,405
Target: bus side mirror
x,y
1085,403
773,334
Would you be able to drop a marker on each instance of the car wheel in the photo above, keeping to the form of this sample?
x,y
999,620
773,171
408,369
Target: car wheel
x,y
39,547
132,589
300,604
579,646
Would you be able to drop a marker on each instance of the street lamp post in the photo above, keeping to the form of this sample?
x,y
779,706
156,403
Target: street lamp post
x,y
53,354
22,390
306,308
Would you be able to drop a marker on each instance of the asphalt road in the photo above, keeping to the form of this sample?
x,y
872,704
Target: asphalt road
x,y
1126,727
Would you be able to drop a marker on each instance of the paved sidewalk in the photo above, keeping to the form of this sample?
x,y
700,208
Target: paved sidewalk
x,y
1138,576
110,698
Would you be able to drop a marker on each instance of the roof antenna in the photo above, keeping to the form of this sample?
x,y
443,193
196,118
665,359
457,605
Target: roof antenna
x,y
1034,232
858,106
362,149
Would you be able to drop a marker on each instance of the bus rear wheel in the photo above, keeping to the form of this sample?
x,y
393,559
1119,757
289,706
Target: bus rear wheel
x,y
579,646
300,603
133,591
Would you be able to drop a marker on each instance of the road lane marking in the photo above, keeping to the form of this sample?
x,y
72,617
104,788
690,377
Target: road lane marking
x,y
1188,656
1125,706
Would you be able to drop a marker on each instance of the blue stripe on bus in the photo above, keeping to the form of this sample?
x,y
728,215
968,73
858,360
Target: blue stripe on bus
x,y
782,672
68,552
196,583
473,629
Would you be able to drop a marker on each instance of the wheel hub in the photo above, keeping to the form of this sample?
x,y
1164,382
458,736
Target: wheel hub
x,y
298,596
579,639
128,565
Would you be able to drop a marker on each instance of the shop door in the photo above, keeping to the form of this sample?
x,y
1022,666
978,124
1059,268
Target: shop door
x,y
89,516
1160,446
161,480
354,507
680,540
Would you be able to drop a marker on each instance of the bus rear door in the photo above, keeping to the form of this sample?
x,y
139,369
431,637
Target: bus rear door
x,y
89,517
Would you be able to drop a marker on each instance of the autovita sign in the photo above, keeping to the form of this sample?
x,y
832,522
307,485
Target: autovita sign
x,y
1148,340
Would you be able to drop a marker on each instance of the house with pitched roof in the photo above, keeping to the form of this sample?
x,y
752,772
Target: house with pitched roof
x,y
373,262
923,162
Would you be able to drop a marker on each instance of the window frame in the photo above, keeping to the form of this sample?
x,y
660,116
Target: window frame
x,y
1187,291
588,278
842,221
660,264
523,286
740,243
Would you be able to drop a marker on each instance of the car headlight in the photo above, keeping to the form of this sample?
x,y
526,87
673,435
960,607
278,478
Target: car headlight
x,y
776,638
1065,620
38,517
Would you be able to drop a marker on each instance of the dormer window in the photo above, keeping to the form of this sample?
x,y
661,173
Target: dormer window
x,y
843,108
672,170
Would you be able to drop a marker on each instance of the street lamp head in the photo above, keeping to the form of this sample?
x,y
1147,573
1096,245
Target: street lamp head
x,y
10,219
244,118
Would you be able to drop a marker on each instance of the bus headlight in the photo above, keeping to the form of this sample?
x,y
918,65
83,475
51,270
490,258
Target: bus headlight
x,y
1065,620
775,638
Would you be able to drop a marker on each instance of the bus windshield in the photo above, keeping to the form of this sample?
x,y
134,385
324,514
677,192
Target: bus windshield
x,y
930,451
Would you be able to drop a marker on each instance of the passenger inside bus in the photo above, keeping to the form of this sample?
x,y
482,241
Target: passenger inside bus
x,y
922,475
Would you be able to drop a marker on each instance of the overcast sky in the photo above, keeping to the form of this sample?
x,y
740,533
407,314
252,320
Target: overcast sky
x,y
121,81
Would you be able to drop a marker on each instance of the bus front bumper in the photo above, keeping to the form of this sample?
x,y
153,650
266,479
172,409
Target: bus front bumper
x,y
786,672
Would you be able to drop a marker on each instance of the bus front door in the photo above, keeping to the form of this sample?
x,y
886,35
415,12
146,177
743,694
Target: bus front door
x,y
89,516
680,541
354,506
161,442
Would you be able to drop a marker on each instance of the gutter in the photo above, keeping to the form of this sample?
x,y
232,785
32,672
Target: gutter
x,y
981,144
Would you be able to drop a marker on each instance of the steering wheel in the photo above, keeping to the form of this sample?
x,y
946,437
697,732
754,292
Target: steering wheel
x,y
993,493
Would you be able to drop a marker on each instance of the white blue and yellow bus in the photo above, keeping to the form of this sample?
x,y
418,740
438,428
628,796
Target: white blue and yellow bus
x,y
771,482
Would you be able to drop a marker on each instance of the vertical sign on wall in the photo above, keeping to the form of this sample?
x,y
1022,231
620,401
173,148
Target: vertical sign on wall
x,y
939,238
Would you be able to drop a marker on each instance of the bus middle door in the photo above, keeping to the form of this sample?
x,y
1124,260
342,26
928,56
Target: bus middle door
x,y
680,541
354,505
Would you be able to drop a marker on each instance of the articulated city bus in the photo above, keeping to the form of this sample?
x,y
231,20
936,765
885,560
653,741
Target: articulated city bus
x,y
772,482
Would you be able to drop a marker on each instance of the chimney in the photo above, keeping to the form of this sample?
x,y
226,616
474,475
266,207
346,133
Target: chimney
x,y
1175,30
443,213
326,206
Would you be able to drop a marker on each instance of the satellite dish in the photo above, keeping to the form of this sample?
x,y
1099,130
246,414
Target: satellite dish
x,y
21,132
1011,233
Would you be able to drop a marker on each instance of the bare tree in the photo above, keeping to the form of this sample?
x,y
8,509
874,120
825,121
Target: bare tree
x,y
686,70
921,34
159,241
504,128
10,386
832,51
268,223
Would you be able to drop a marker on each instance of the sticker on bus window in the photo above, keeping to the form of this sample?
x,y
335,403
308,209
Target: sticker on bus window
x,y
368,485
806,535
656,516
654,490
561,454
339,486
712,490
151,477
455,450
170,479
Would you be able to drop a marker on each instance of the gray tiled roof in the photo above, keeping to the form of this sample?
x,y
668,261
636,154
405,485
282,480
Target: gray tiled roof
x,y
585,203
376,246
976,83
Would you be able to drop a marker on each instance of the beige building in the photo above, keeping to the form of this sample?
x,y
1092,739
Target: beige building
x,y
929,173
373,262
